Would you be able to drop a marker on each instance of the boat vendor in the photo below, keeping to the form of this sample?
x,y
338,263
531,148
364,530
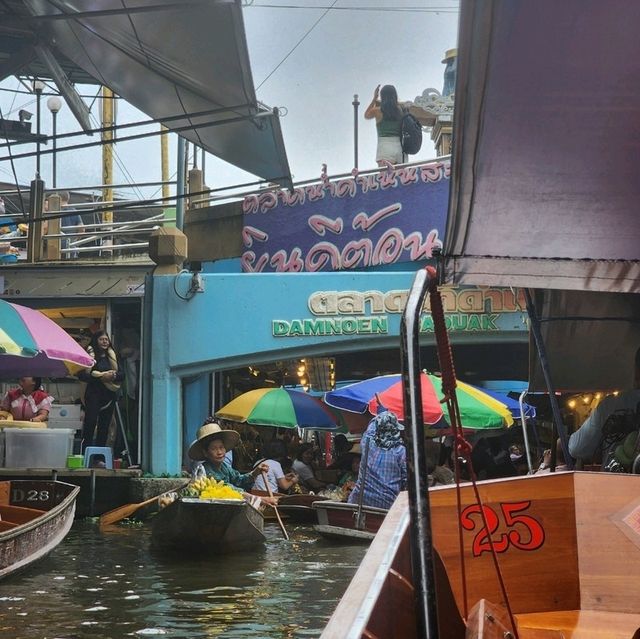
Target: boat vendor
x,y
384,473
210,448
28,402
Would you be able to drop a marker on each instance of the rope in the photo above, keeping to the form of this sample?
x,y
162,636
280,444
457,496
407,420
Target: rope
x,y
462,446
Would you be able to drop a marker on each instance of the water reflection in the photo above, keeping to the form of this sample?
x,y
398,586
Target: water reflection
x,y
112,585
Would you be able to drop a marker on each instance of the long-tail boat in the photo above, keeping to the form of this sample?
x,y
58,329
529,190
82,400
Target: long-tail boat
x,y
35,516
539,557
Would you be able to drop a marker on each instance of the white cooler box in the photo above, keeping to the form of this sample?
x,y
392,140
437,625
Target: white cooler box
x,y
37,447
65,416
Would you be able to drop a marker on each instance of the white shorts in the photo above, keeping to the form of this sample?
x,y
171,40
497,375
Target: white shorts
x,y
390,149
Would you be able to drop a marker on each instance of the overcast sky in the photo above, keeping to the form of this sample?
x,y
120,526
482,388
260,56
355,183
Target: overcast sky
x,y
354,46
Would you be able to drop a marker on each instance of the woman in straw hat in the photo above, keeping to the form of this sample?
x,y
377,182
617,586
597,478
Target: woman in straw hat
x,y
210,447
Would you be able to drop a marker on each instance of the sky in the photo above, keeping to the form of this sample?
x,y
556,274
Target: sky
x,y
307,59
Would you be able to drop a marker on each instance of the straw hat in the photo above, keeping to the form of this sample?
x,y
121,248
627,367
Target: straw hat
x,y
208,432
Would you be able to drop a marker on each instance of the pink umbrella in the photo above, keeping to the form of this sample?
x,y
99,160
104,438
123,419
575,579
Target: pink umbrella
x,y
32,344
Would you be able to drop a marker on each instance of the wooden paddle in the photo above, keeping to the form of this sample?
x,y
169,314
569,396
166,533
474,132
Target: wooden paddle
x,y
122,512
275,508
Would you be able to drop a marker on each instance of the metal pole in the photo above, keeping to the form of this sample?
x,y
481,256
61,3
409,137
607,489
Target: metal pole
x,y
180,178
525,435
544,363
54,177
164,160
38,96
356,104
359,518
204,155
420,532
107,158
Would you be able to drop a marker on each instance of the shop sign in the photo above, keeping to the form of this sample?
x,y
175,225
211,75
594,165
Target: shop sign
x,y
387,217
472,309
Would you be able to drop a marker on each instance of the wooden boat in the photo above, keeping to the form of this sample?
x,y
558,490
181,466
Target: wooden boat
x,y
339,520
568,547
191,525
300,508
35,517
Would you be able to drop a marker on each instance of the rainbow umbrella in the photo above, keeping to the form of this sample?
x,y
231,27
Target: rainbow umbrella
x,y
478,410
282,407
32,344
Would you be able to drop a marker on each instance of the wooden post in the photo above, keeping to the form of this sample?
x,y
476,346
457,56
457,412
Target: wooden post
x,y
53,245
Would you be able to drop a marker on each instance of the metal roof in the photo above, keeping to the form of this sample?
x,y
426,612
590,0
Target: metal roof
x,y
165,57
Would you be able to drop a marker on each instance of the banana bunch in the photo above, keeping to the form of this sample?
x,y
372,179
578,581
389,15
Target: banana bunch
x,y
210,488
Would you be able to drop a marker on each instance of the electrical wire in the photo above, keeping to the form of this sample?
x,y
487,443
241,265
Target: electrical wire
x,y
416,9
313,26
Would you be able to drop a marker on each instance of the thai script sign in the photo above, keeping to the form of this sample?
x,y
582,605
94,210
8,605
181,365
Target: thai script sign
x,y
467,309
395,215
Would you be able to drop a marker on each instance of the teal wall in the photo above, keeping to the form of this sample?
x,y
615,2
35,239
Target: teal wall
x,y
231,324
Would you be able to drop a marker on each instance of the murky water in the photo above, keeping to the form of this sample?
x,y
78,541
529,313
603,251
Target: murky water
x,y
111,585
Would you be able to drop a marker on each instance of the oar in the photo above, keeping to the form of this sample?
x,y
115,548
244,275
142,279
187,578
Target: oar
x,y
122,512
275,508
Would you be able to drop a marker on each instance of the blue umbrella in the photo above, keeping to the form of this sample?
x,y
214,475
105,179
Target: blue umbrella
x,y
512,404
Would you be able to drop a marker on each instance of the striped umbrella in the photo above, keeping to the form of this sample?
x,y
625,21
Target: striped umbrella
x,y
478,410
282,407
32,344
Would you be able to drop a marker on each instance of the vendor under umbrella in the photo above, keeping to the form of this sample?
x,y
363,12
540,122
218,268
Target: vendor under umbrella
x,y
28,402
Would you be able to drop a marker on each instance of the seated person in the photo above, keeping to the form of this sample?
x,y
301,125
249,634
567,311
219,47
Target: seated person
x,y
28,402
591,439
348,479
491,458
545,464
303,467
341,453
385,473
210,448
273,454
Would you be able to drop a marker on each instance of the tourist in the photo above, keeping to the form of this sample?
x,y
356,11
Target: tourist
x,y
383,474
103,384
387,112
303,467
274,453
592,438
27,403
210,448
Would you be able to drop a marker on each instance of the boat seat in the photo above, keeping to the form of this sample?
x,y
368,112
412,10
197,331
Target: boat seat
x,y
582,624
6,525
19,514
92,451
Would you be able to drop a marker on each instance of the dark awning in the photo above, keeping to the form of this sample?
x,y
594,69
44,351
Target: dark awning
x,y
545,186
167,58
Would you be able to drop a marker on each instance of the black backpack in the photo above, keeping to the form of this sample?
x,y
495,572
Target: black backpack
x,y
410,134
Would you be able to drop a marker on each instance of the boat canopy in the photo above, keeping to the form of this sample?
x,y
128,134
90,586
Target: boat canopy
x,y
545,171
167,58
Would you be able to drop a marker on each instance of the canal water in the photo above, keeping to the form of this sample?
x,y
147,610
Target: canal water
x,y
111,585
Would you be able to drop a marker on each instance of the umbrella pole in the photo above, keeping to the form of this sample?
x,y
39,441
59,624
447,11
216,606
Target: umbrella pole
x,y
359,517
525,435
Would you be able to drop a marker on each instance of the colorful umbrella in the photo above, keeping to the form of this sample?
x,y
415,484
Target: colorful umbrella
x,y
32,344
477,409
280,407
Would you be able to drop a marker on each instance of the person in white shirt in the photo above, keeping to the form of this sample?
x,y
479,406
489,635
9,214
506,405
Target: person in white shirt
x,y
273,453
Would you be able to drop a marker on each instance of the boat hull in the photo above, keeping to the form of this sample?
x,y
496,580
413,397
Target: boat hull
x,y
35,516
338,520
212,526
568,546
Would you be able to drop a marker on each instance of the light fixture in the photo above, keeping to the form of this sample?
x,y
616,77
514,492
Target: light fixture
x,y
54,104
571,403
38,86
586,399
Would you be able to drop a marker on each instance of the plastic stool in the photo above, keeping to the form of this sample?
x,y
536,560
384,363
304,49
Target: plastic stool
x,y
105,451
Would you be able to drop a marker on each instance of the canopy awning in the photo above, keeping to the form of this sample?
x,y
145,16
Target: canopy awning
x,y
545,186
167,58
590,338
